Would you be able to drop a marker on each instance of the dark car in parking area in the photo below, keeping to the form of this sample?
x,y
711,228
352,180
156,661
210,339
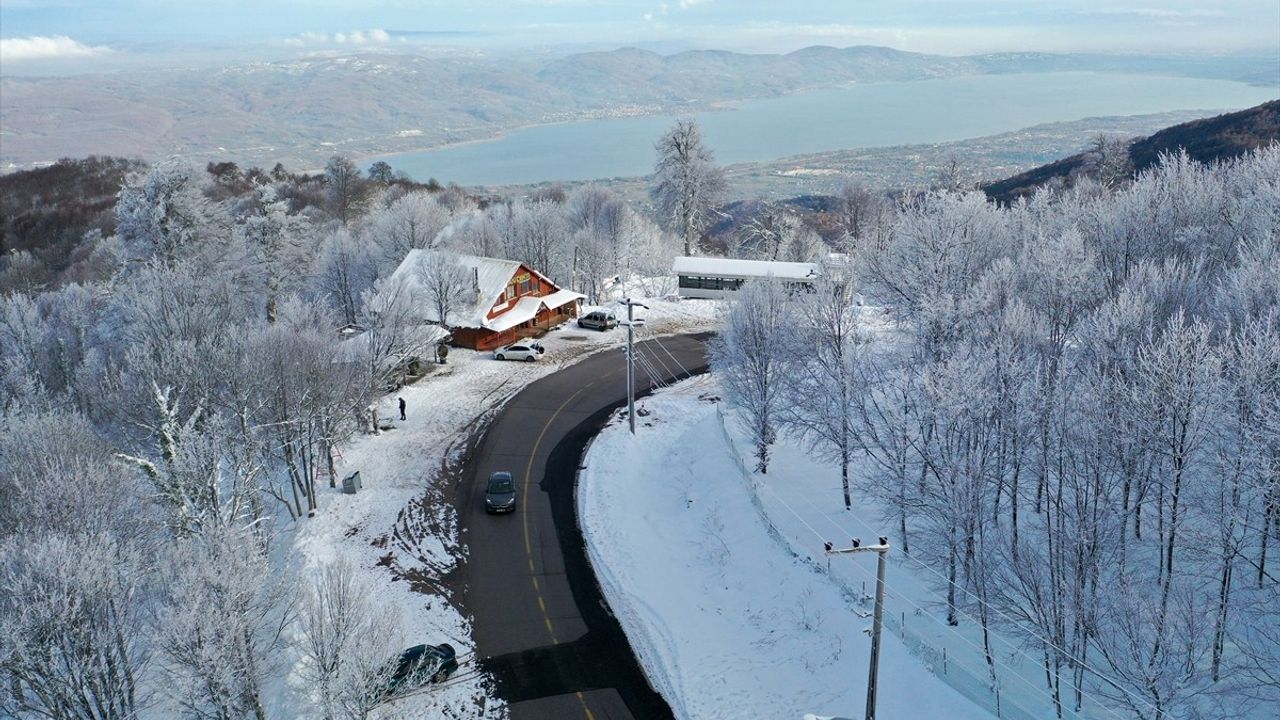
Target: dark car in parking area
x,y
599,320
500,493
418,665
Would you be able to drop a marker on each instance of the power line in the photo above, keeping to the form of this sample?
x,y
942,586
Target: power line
x,y
1071,658
954,633
688,375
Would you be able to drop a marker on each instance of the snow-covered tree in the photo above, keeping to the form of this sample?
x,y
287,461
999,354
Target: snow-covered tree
x,y
823,387
73,627
347,267
347,190
687,183
347,641
750,359
412,222
539,236
166,214
221,625
445,282
273,245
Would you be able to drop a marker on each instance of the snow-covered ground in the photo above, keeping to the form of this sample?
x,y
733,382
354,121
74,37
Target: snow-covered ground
x,y
400,530
720,580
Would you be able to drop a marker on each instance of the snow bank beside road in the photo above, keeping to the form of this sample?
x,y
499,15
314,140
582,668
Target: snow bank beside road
x,y
726,621
401,531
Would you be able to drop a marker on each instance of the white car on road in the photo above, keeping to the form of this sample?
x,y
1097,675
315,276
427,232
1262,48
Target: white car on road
x,y
519,351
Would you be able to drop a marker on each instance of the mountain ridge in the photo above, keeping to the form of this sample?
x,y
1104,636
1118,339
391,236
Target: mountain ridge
x,y
302,110
1205,140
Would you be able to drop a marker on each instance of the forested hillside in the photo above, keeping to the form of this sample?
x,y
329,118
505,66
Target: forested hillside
x,y
1207,140
168,419
1075,420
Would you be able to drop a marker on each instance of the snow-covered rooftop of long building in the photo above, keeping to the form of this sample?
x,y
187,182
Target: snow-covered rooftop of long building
x,y
490,276
731,268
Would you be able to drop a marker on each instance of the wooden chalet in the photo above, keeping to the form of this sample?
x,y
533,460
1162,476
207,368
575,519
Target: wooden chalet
x,y
508,301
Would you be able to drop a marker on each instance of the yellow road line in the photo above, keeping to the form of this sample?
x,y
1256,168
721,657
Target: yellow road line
x,y
524,512
528,468
528,546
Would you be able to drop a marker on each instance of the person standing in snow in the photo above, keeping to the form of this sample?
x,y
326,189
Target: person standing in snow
x,y
402,409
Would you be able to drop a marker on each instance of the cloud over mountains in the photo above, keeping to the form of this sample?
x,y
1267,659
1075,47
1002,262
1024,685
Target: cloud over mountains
x,y
38,47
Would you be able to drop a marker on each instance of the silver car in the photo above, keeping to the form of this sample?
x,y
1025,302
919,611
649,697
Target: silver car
x,y
599,320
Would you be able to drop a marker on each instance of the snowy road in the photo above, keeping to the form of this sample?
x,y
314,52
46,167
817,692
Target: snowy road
x,y
540,624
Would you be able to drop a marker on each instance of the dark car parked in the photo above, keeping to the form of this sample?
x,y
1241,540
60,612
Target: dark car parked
x,y
599,320
500,493
418,665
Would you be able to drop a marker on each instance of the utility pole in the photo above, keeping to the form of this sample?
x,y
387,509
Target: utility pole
x,y
882,550
631,358
574,282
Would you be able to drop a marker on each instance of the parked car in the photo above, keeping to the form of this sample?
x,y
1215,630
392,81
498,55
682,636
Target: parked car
x,y
519,351
418,665
598,320
500,493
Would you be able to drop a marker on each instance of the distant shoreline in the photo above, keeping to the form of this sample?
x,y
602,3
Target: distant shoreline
x,y
269,137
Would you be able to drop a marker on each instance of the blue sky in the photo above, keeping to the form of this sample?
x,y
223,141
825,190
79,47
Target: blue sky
x,y
84,28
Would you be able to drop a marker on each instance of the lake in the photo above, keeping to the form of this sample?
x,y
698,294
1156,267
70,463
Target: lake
x,y
853,116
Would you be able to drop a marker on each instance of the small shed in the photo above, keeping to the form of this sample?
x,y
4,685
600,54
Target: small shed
x,y
718,277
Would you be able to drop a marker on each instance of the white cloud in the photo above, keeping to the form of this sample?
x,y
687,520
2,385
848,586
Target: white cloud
x,y
1156,13
362,37
39,47
376,36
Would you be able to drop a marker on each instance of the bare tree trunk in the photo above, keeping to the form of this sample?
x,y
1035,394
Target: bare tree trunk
x,y
1220,617
844,472
1268,519
295,482
332,467
952,618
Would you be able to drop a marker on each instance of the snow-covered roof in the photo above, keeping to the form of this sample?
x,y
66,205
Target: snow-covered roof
x,y
526,308
491,275
731,268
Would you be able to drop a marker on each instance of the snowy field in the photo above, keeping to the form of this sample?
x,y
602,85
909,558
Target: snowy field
x,y
727,620
401,530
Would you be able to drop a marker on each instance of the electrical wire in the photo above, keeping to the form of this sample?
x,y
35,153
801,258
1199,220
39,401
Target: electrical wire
x,y
655,377
658,360
687,374
922,610
990,608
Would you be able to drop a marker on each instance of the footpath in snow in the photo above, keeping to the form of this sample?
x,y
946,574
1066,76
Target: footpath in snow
x,y
726,618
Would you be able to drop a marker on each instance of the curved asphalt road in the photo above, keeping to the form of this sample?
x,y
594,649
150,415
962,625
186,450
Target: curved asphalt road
x,y
542,627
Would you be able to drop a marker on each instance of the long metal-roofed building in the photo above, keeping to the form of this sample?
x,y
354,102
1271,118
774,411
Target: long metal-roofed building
x,y
717,277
